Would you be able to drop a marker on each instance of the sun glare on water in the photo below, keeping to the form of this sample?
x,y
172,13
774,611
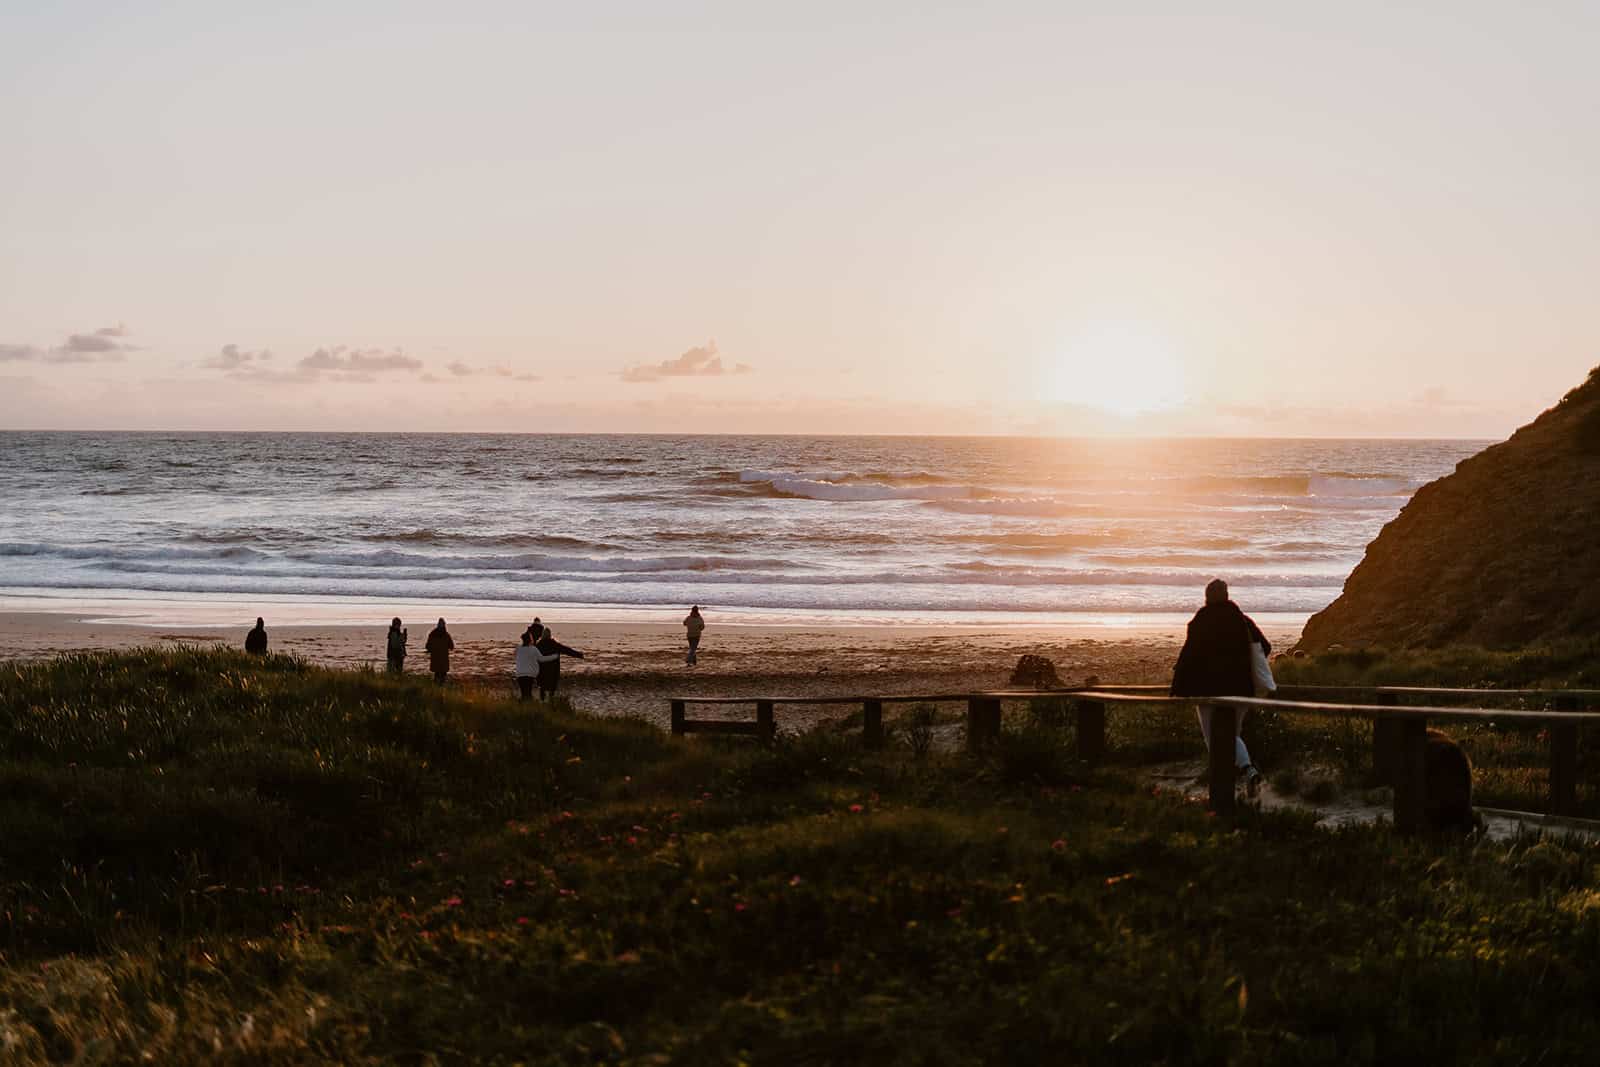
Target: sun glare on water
x,y
1122,369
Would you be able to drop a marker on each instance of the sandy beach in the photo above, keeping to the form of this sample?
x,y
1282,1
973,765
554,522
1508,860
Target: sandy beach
x,y
631,668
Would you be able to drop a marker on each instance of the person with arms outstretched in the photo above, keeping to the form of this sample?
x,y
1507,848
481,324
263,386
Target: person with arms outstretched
x,y
551,652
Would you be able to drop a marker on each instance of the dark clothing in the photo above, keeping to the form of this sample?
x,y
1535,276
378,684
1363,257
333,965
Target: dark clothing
x,y
439,646
397,650
255,642
550,671
1215,661
525,684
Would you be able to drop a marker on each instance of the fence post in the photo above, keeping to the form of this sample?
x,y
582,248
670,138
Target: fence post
x,y
872,723
1386,743
766,728
1411,778
1091,730
1224,729
983,722
677,718
1564,762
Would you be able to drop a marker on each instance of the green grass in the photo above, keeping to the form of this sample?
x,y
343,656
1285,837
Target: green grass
x,y
210,858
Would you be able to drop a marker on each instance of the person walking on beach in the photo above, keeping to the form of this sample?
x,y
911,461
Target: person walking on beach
x,y
439,646
1216,661
255,642
529,661
695,626
397,647
550,663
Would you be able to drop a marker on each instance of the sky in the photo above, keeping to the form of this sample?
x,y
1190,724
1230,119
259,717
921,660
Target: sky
x,y
1355,219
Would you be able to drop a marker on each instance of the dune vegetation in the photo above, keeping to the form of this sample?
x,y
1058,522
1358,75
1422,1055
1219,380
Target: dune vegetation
x,y
211,858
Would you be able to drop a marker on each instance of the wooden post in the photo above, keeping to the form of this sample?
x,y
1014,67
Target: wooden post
x,y
1564,762
1091,730
766,728
1411,777
1224,729
677,718
872,723
983,722
1386,744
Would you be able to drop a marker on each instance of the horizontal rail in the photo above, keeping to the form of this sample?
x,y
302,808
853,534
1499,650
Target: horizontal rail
x,y
1364,711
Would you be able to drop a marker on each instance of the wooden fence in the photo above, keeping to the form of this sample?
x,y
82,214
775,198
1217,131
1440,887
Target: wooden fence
x,y
1399,729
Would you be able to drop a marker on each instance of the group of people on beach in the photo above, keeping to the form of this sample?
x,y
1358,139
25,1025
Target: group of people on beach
x,y
536,661
1224,654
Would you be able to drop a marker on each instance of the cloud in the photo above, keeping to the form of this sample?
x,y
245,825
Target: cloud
x,y
359,360
99,346
702,361
232,357
467,370
339,364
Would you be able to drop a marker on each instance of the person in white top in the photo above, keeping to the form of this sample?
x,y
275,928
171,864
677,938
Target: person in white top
x,y
528,659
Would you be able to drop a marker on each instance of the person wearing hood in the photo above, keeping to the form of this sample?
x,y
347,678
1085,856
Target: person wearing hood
x,y
551,652
255,642
694,625
397,646
440,645
1216,662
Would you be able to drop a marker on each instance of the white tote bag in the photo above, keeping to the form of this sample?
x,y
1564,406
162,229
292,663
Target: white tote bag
x,y
1261,670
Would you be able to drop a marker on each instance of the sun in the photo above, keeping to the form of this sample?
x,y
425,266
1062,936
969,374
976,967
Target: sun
x,y
1121,368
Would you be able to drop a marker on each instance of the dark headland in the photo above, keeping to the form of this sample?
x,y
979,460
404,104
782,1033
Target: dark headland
x,y
1503,552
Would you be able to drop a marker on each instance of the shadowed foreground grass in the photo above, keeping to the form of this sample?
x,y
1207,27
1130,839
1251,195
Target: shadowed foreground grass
x,y
209,858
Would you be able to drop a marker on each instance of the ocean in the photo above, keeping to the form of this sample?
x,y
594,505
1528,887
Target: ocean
x,y
779,529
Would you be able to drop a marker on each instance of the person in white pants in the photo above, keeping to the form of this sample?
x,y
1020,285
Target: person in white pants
x,y
1219,660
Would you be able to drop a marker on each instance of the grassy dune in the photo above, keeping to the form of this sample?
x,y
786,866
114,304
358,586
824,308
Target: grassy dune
x,y
209,858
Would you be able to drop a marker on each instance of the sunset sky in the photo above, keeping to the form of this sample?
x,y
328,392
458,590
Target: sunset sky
x,y
1337,219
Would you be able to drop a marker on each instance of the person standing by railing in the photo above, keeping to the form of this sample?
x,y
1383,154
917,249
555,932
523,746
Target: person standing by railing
x,y
1216,662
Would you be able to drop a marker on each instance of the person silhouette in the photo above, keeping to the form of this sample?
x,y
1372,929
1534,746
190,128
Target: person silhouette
x,y
255,642
694,625
397,646
1215,661
439,646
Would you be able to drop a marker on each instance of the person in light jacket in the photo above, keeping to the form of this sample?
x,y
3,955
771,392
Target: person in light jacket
x,y
550,663
529,660
440,645
1215,662
694,625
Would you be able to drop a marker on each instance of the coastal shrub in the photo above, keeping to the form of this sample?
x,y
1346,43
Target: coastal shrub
x,y
917,728
305,879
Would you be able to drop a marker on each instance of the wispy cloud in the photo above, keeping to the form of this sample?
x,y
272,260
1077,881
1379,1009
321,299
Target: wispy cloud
x,y
702,361
339,363
467,370
359,360
232,357
98,346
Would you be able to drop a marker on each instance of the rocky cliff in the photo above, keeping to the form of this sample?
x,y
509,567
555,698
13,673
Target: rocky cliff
x,y
1503,552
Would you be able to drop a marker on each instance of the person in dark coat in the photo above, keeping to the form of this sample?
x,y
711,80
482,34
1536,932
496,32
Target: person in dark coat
x,y
397,647
439,646
550,669
255,642
1215,662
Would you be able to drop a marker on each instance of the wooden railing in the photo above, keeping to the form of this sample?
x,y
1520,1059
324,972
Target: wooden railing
x,y
1399,730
